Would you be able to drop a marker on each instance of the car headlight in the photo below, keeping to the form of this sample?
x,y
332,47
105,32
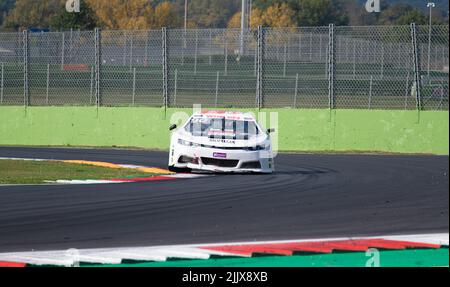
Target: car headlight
x,y
183,142
255,148
187,143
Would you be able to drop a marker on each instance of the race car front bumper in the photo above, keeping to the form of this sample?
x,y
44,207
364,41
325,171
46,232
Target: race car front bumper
x,y
221,160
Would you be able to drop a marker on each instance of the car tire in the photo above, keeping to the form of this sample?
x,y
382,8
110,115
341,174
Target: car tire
x,y
179,169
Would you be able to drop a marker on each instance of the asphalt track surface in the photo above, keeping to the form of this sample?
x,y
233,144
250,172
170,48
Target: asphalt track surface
x,y
309,196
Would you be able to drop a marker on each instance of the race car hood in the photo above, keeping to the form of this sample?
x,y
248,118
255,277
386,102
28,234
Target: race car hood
x,y
218,141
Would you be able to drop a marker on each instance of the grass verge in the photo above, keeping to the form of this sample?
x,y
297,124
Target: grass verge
x,y
36,172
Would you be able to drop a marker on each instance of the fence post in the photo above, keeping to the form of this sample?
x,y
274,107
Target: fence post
x,y
406,89
98,63
175,88
146,49
310,46
210,47
260,72
382,60
26,55
255,64
125,43
346,51
289,48
2,83
416,59
284,60
326,63
48,84
226,57
183,48
339,55
165,68
131,52
217,88
91,89
71,43
63,48
134,85
331,67
196,52
258,43
262,67
320,48
354,60
370,91
300,46
296,91
429,50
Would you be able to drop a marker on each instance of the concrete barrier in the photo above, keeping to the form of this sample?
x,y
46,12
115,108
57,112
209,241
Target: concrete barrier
x,y
298,130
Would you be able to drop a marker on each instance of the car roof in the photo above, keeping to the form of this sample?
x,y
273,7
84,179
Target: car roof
x,y
231,115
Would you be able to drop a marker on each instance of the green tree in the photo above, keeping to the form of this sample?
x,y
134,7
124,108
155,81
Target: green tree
x,y
264,4
319,13
5,6
210,13
404,14
390,15
85,20
413,16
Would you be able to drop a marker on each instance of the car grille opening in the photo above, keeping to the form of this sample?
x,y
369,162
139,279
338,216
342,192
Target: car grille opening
x,y
251,164
220,162
185,159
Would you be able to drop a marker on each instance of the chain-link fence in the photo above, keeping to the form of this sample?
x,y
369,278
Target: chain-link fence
x,y
366,67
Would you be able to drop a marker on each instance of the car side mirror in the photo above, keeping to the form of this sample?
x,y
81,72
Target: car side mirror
x,y
172,127
270,130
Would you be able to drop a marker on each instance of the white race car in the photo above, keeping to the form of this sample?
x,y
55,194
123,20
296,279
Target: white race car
x,y
221,141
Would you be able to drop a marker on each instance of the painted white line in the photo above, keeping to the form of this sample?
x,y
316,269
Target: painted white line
x,y
129,254
187,175
439,239
36,259
101,259
132,166
87,181
27,159
186,253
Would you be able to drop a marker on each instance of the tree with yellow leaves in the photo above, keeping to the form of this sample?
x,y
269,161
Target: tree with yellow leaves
x,y
276,15
135,14
31,13
256,19
165,15
279,16
122,14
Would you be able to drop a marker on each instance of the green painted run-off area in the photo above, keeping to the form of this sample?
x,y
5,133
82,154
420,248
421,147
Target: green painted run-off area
x,y
385,258
298,129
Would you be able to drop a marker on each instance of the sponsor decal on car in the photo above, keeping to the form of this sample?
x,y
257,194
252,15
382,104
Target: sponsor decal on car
x,y
220,155
222,141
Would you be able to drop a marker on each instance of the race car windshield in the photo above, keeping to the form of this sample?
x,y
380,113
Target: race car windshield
x,y
222,128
